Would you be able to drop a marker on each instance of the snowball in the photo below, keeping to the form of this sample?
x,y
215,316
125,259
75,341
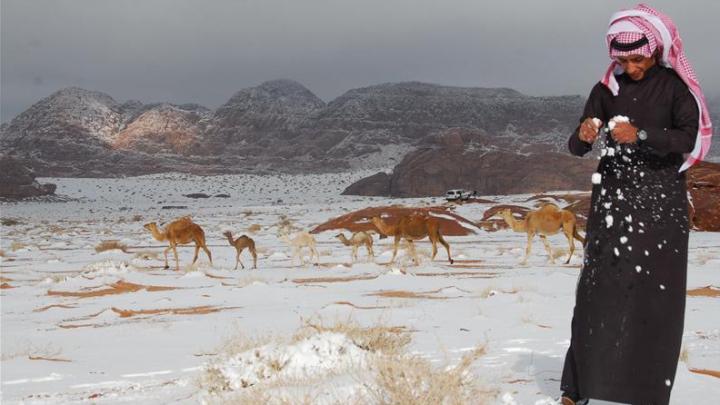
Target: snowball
x,y
662,286
609,220
617,252
623,240
596,178
638,269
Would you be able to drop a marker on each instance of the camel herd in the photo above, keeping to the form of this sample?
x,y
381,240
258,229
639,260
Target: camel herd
x,y
545,221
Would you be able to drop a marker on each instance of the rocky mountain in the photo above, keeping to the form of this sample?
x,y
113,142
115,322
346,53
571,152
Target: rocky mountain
x,y
279,125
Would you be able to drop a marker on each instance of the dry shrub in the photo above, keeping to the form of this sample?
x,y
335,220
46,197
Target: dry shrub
x,y
17,246
286,224
10,222
685,355
238,342
136,218
148,255
378,338
392,377
247,213
413,380
28,349
2,253
110,245
254,228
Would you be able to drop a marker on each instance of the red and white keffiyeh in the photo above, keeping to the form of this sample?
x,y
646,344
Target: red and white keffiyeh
x,y
629,26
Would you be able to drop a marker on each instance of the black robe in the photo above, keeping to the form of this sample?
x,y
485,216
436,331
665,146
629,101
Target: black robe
x,y
630,305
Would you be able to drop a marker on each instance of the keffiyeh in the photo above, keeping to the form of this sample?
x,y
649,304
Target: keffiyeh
x,y
632,25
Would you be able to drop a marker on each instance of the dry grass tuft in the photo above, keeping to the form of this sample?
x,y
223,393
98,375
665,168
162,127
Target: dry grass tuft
x,y
110,245
238,342
412,380
685,355
49,351
10,222
390,377
17,246
2,253
254,229
149,255
379,338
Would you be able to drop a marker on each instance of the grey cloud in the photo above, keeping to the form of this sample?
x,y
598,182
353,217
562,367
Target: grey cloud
x,y
204,51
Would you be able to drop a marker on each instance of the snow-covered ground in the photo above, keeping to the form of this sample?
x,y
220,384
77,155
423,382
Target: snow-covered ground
x,y
80,326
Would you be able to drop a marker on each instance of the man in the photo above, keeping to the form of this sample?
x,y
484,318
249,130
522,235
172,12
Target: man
x,y
628,318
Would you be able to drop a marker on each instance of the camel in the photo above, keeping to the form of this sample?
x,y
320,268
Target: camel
x,y
299,240
358,239
412,228
548,220
240,244
180,232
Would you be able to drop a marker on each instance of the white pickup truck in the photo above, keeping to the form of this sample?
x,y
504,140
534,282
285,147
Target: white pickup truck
x,y
457,194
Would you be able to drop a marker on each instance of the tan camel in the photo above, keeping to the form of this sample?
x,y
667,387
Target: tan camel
x,y
548,220
360,238
412,228
180,232
297,242
240,244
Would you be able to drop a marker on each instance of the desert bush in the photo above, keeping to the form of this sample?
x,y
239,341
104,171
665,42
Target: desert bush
x,y
149,255
10,222
2,253
254,228
378,338
413,380
49,351
17,246
110,245
237,342
136,218
389,377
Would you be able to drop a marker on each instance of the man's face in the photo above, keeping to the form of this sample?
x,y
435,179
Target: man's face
x,y
635,65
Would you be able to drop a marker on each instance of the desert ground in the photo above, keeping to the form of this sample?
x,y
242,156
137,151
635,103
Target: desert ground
x,y
90,314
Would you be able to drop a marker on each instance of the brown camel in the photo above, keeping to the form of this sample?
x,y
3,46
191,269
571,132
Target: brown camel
x,y
180,232
412,228
360,238
240,244
548,220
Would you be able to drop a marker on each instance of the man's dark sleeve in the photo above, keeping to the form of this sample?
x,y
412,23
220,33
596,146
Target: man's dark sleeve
x,y
681,137
593,109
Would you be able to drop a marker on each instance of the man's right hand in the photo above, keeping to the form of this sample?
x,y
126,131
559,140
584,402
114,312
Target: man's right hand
x,y
588,131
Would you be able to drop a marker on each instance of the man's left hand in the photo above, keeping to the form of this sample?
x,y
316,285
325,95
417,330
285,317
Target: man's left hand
x,y
624,132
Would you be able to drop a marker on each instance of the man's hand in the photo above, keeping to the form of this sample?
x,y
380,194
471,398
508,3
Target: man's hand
x,y
588,131
624,132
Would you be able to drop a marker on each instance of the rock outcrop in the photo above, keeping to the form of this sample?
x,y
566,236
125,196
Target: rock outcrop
x,y
461,158
17,182
703,183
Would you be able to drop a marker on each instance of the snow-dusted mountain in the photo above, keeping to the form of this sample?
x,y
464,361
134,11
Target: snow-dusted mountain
x,y
279,125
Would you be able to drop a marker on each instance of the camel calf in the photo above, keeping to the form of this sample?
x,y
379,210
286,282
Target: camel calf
x,y
240,244
360,238
548,220
297,242
180,232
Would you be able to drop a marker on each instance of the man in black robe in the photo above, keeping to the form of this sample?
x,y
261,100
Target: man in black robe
x,y
628,319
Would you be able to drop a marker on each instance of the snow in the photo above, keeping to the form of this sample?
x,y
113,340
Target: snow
x,y
142,338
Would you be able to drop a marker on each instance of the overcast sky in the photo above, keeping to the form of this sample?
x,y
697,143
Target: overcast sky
x,y
203,51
